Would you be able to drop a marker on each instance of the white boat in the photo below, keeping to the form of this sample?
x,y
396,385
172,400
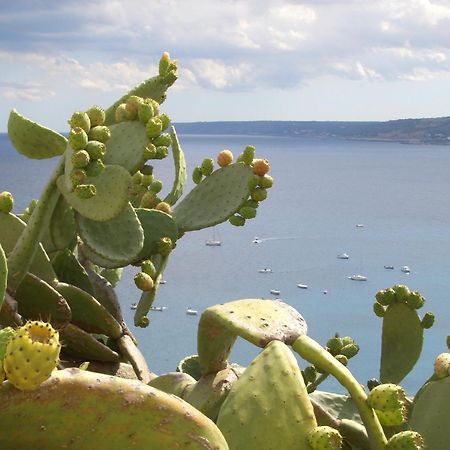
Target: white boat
x,y
359,225
325,292
158,308
256,240
302,286
191,312
405,269
358,278
213,243
265,270
133,306
275,291
343,256
389,267
163,282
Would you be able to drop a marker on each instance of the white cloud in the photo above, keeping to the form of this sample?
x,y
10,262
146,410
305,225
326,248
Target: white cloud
x,y
220,75
31,92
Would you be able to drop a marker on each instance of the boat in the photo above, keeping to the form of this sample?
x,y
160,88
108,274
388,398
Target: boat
x,y
359,225
275,291
265,270
302,286
158,308
191,312
405,269
213,243
389,267
256,240
163,282
325,292
358,278
343,256
133,306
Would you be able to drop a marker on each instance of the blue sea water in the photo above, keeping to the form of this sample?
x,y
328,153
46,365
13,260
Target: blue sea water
x,y
322,189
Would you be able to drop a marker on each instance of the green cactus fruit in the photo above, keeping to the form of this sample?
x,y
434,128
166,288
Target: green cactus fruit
x,y
148,267
406,440
251,203
224,158
309,374
268,406
161,152
165,246
385,297
259,194
104,412
80,159
153,127
156,186
265,181
427,320
77,176
379,309
94,168
165,119
415,300
132,106
31,355
121,113
137,177
334,345
343,359
147,180
145,111
248,154
442,365
387,396
150,152
197,175
78,138
143,281
207,167
253,182
324,438
96,149
448,341
85,191
163,139
247,212
402,293
6,202
80,119
96,115
176,383
164,64
349,350
6,334
164,207
99,133
258,321
261,167
392,418
149,200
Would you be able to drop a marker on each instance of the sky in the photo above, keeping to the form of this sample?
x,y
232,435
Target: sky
x,y
238,60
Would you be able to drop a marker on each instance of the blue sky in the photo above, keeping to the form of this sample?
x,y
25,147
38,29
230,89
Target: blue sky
x,y
239,60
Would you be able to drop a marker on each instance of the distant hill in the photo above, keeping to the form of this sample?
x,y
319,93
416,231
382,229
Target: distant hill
x,y
411,131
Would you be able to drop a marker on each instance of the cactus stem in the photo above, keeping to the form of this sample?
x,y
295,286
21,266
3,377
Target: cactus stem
x,y
22,255
313,352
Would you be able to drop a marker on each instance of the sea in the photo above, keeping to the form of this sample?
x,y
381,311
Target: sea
x,y
381,203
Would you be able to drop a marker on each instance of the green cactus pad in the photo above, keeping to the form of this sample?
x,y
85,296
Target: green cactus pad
x,y
11,228
33,140
39,301
112,275
338,405
84,346
215,199
126,145
156,225
3,275
176,383
190,365
180,170
88,313
401,342
111,198
268,406
69,270
256,320
118,240
431,414
104,413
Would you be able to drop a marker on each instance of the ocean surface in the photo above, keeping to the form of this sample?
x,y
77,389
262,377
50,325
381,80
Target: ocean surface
x,y
322,190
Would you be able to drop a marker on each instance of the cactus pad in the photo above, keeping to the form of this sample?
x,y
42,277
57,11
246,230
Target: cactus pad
x,y
256,320
33,140
102,410
111,198
3,275
268,407
118,240
215,199
176,383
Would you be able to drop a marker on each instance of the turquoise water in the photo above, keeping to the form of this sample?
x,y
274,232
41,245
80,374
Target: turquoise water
x,y
322,190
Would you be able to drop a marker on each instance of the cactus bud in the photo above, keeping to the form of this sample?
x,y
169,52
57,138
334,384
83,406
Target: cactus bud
x,y
415,300
324,438
386,396
379,309
261,167
132,105
78,138
309,374
80,159
99,133
247,212
145,112
224,158
164,64
148,267
96,115
143,281
162,139
342,359
248,154
80,119
137,177
143,322
265,181
77,176
251,203
164,207
334,345
150,151
6,202
349,350
385,297
85,191
401,292
237,221
165,119
259,194
442,365
427,320
121,113
156,186
165,246
346,340
96,149
153,127
253,182
161,152
94,168
207,166
405,440
197,175
149,200
147,180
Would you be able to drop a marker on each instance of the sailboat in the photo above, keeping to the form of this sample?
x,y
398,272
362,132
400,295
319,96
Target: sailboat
x,y
214,241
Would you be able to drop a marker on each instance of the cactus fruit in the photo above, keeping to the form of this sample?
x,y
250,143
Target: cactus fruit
x,y
96,115
261,167
427,320
442,365
6,202
80,119
224,158
324,438
386,396
78,138
406,440
143,281
207,167
31,355
99,133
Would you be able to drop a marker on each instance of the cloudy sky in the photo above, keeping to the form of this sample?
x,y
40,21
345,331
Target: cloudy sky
x,y
239,60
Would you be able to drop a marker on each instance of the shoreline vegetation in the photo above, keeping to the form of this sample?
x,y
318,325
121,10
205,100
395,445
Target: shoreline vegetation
x,y
407,131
